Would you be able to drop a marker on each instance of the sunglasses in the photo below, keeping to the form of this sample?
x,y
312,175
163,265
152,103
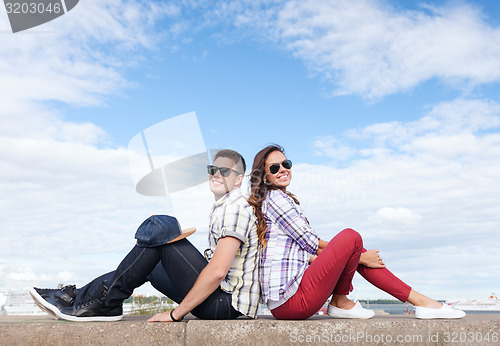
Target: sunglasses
x,y
224,171
275,167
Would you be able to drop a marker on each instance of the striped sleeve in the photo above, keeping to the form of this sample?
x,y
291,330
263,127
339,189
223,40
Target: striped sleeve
x,y
284,212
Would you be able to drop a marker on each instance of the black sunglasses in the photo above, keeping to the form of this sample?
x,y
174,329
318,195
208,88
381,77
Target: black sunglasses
x,y
275,167
224,171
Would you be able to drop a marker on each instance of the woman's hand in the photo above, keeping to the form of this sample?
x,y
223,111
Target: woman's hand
x,y
371,259
321,245
161,317
312,258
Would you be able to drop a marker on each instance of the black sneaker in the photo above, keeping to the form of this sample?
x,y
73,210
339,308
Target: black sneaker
x,y
52,300
93,310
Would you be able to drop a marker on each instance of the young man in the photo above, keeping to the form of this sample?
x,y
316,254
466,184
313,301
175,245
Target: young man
x,y
224,285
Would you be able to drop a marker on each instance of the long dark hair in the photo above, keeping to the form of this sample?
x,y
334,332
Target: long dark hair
x,y
259,188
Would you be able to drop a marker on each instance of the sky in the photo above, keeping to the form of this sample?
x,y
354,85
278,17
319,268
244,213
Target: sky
x,y
389,110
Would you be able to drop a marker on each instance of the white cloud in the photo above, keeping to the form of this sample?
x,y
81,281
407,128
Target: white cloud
x,y
450,127
398,216
331,147
77,58
368,48
374,48
68,209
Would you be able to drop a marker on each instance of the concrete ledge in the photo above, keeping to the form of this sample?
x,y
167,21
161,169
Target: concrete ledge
x,y
480,329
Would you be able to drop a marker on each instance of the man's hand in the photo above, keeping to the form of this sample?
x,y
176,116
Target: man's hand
x,y
161,317
371,259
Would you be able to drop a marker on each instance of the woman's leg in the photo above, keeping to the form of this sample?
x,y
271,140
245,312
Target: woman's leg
x,y
386,281
426,308
331,271
419,299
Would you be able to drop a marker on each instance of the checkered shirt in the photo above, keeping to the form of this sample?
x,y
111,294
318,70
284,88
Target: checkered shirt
x,y
290,243
232,216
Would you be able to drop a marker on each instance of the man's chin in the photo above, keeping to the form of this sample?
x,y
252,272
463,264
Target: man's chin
x,y
218,190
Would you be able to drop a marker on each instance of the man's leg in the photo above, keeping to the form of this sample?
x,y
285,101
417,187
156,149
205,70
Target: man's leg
x,y
83,293
182,264
101,299
132,272
53,300
160,280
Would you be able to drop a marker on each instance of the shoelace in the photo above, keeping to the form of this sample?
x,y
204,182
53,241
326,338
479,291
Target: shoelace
x,y
93,299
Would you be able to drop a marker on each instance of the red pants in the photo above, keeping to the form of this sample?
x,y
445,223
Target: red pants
x,y
332,272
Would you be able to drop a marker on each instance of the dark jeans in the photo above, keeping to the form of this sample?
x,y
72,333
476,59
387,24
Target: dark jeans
x,y
172,269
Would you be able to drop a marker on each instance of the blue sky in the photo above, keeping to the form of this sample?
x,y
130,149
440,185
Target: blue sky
x,y
389,110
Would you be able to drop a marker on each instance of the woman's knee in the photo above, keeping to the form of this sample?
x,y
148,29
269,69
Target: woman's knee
x,y
352,235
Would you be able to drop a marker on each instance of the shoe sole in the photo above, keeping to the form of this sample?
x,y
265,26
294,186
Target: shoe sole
x,y
91,318
44,305
351,317
439,317
442,316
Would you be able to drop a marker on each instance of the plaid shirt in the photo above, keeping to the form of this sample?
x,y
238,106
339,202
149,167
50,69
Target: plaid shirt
x,y
290,244
232,216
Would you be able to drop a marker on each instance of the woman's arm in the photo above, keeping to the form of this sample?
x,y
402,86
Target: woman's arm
x,y
208,280
284,213
322,244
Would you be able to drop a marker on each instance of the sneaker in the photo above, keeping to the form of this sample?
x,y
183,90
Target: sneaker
x,y
445,311
52,300
355,312
93,310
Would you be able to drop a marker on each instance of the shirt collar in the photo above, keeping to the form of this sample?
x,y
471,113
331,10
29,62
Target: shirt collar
x,y
232,195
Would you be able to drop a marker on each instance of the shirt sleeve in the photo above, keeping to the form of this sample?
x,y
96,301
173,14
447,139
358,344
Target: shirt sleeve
x,y
283,212
236,222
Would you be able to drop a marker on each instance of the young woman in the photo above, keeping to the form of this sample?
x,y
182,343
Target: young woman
x,y
299,271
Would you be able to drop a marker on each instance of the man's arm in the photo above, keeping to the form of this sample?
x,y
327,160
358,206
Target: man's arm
x,y
208,280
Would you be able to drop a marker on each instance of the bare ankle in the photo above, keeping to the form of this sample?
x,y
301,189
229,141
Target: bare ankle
x,y
341,302
419,299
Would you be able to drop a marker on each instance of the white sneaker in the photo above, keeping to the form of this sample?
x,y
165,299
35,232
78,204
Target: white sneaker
x,y
356,312
445,311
